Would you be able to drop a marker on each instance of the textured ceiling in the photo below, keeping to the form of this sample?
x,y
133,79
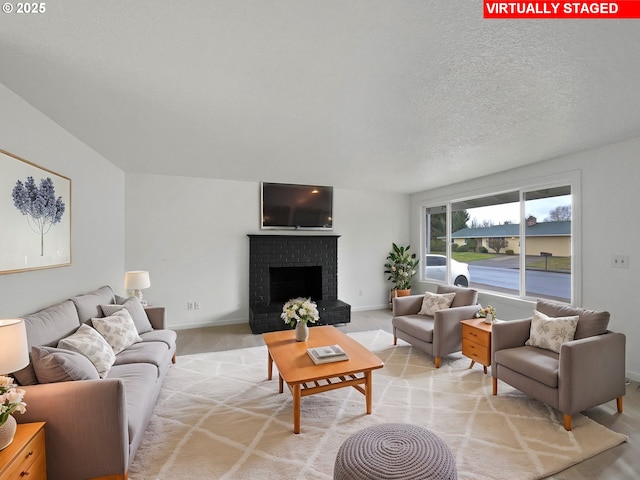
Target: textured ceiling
x,y
369,94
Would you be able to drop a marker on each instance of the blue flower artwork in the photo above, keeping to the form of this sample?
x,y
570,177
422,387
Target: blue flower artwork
x,y
39,204
35,216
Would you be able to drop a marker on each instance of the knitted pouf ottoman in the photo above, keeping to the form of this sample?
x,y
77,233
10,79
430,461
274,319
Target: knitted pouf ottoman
x,y
394,451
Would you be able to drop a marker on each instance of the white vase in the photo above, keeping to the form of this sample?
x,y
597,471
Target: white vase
x,y
489,318
302,332
7,432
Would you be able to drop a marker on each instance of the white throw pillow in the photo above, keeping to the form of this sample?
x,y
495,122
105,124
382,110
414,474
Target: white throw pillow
x,y
432,302
118,330
551,332
92,345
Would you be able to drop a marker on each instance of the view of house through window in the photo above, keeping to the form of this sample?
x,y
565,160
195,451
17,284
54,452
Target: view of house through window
x,y
518,243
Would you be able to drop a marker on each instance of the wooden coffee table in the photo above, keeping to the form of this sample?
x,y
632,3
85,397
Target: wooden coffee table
x,y
303,377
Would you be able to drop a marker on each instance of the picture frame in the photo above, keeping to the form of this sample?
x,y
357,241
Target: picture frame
x,y
35,214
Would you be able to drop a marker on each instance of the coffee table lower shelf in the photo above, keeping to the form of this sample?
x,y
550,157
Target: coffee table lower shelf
x,y
360,381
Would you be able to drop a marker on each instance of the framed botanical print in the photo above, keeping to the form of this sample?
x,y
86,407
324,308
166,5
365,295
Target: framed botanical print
x,y
35,216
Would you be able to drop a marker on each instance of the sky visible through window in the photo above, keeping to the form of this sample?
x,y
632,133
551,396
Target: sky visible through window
x,y
510,212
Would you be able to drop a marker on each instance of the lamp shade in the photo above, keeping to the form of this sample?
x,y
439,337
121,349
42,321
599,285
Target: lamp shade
x,y
14,350
136,280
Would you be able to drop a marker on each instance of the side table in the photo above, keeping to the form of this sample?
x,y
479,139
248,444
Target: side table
x,y
25,457
476,341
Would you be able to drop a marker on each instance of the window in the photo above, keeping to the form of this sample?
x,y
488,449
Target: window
x,y
517,242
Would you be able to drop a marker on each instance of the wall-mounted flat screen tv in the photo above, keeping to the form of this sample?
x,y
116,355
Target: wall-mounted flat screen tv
x,y
289,206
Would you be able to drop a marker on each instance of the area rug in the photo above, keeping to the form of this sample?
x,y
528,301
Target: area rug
x,y
219,417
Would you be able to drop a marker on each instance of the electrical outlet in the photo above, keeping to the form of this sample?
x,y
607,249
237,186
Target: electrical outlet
x,y
196,305
620,261
189,305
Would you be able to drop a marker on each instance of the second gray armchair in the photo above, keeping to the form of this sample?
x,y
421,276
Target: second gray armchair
x,y
586,371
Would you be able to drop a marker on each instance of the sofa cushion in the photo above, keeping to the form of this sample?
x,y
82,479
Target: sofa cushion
x,y
47,327
88,305
432,302
155,353
464,296
418,326
590,322
536,363
551,332
92,345
135,309
166,336
118,330
54,365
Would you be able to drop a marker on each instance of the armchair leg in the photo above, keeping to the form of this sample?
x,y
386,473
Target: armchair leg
x,y
437,362
395,340
567,422
494,384
619,404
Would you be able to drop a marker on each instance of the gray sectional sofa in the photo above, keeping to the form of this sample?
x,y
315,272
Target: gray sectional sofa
x,y
96,417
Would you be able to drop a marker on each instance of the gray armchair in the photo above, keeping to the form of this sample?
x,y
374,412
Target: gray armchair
x,y
588,371
437,335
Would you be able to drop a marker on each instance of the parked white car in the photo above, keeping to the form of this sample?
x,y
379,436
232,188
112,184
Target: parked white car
x,y
436,269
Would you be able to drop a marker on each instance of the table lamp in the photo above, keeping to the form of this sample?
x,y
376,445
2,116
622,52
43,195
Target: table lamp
x,y
135,281
14,350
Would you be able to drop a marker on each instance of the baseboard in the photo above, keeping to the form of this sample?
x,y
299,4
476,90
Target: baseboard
x,y
382,306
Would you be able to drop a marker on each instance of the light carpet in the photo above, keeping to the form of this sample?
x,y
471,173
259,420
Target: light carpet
x,y
219,417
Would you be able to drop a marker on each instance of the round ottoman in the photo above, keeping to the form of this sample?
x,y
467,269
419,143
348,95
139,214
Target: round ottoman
x,y
394,451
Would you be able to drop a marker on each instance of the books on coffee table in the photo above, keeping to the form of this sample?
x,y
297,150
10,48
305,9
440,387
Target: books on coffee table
x,y
327,354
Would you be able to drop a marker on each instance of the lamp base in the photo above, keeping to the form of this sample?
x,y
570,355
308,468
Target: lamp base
x,y
138,294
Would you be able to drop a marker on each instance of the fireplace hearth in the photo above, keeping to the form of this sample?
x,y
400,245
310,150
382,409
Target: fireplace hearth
x,y
288,266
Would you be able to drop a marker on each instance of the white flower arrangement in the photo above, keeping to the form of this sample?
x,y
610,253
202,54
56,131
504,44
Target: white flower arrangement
x,y
10,399
300,310
483,312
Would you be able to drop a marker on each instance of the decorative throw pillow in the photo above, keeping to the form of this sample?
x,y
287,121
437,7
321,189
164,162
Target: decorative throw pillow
x,y
551,332
432,302
90,343
135,308
53,365
118,330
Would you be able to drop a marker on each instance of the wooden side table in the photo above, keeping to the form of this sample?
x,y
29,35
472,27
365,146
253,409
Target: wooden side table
x,y
476,341
25,457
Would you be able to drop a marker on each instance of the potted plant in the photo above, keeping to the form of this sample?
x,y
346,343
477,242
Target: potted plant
x,y
401,267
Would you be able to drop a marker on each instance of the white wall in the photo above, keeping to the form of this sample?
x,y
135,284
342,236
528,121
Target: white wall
x,y
191,234
97,208
609,201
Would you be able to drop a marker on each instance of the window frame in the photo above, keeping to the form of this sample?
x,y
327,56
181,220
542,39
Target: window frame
x,y
571,179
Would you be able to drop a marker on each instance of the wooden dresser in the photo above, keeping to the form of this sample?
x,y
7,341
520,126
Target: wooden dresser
x,y
25,457
476,341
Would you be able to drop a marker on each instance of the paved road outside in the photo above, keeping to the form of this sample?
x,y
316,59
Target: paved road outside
x,y
503,274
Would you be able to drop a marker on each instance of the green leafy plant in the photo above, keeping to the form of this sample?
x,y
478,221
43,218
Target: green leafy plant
x,y
401,266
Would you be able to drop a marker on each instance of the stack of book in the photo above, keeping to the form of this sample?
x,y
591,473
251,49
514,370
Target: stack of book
x,y
327,354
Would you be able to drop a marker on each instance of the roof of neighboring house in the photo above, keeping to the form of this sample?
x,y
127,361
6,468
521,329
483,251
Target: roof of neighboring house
x,y
542,229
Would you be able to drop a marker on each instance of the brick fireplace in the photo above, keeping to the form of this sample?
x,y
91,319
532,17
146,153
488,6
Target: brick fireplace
x,y
287,266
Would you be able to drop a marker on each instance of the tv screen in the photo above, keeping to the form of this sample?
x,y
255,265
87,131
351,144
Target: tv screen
x,y
286,205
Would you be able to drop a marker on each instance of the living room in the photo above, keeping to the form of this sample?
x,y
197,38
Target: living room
x,y
190,231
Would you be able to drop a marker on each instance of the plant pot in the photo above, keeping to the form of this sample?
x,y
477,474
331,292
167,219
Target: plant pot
x,y
403,293
7,432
